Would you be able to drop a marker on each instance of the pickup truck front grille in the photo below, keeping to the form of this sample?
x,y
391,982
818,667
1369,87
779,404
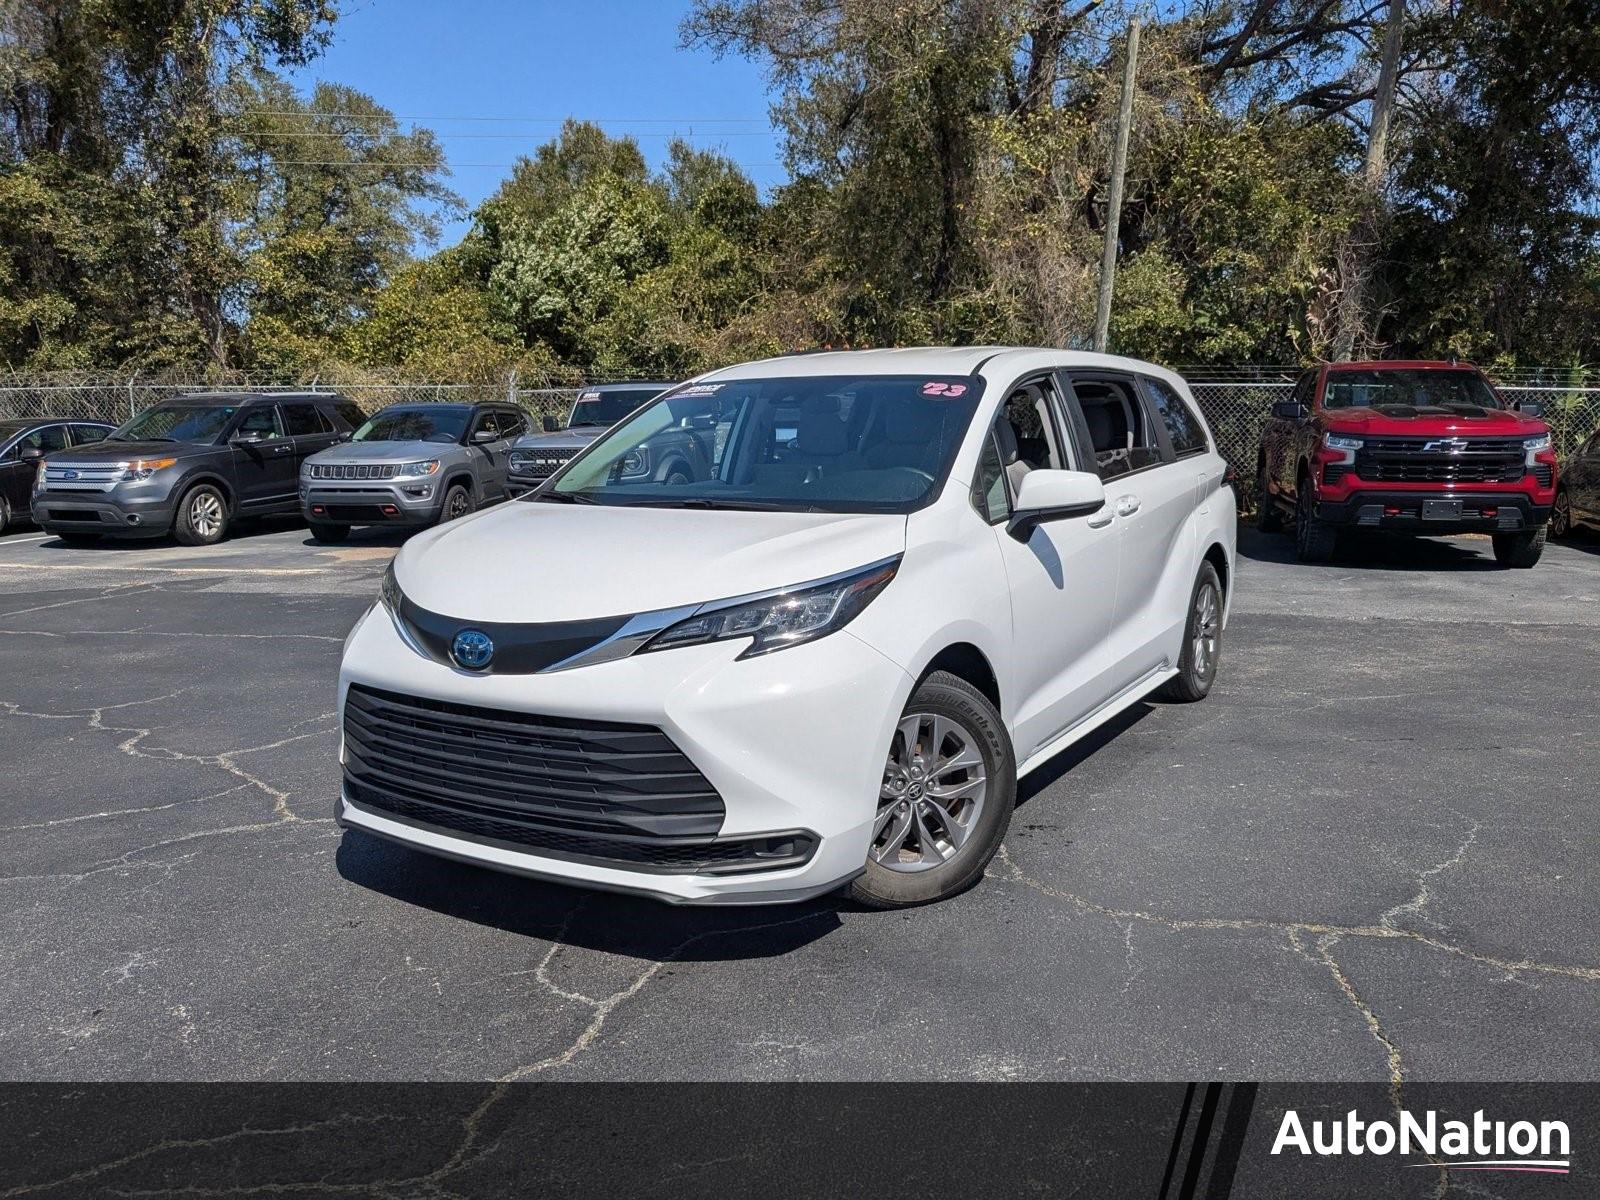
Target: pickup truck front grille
x,y
596,789
1441,460
351,470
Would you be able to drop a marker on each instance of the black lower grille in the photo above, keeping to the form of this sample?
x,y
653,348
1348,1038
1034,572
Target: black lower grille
x,y
598,789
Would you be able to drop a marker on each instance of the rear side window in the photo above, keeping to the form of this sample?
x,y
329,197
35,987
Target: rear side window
x,y
1119,432
301,420
1183,425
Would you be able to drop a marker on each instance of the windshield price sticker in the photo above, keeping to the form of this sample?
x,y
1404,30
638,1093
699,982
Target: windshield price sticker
x,y
949,391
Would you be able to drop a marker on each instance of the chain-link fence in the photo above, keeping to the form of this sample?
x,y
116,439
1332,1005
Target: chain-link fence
x,y
1236,400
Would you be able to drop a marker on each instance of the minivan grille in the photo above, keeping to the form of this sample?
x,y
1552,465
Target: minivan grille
x,y
1441,460
594,788
351,470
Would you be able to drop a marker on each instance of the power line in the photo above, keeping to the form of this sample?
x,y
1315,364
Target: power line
x,y
529,136
293,112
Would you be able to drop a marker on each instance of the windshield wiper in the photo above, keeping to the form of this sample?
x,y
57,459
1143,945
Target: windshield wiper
x,y
563,497
709,502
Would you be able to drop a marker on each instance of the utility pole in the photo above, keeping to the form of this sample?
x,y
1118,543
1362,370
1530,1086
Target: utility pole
x,y
1119,167
1357,251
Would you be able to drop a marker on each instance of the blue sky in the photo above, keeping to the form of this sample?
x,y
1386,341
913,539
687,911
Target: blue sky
x,y
494,78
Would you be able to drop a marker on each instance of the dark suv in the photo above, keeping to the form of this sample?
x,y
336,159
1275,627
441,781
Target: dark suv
x,y
191,467
537,457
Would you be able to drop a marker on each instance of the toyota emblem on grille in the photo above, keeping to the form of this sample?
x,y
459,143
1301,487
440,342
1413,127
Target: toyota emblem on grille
x,y
1452,445
472,649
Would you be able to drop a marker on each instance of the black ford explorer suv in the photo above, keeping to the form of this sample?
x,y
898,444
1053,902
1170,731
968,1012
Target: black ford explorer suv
x,y
537,457
191,467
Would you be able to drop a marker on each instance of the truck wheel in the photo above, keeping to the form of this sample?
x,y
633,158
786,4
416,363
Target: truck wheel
x,y
1520,549
949,785
329,533
1314,539
457,503
1561,516
1202,640
202,517
1268,517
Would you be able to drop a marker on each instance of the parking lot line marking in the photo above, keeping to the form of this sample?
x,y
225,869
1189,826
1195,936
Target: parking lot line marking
x,y
173,570
17,541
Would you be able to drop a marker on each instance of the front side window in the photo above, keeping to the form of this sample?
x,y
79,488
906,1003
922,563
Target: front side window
x,y
1188,435
177,423
260,423
872,443
422,424
51,437
350,413
83,435
1419,389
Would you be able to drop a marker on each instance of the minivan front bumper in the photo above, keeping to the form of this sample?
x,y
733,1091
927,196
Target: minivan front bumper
x,y
792,743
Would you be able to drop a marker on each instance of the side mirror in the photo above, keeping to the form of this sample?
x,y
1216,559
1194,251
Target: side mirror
x,y
551,424
484,436
345,436
250,438
1047,495
1288,410
1534,408
30,454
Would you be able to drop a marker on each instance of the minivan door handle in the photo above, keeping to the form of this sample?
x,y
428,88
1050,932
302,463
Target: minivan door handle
x,y
1101,519
1127,506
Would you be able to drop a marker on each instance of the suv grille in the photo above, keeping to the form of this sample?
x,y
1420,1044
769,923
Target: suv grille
x,y
539,464
587,788
352,470
82,477
1441,460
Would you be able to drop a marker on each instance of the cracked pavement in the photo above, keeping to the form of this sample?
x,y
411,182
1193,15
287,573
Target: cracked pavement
x,y
1369,856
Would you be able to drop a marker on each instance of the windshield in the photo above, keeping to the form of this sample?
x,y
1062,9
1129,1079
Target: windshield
x,y
607,408
414,425
875,443
1363,389
176,423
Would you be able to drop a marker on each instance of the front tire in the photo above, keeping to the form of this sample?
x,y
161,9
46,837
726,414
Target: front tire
x,y
457,503
1314,539
1521,549
202,517
949,785
1202,640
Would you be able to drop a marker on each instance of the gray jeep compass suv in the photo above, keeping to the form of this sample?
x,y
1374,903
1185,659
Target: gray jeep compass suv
x,y
411,465
190,466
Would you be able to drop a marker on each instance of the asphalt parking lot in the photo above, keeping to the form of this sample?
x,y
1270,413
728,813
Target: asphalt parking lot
x,y
1370,855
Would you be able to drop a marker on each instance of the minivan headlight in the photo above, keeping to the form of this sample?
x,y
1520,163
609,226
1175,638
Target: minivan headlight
x,y
417,470
801,614
389,592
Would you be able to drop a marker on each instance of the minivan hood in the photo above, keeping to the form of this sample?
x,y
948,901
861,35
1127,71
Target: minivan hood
x,y
117,451
1423,419
533,561
382,452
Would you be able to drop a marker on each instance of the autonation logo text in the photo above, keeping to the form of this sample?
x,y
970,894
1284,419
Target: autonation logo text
x,y
1479,1145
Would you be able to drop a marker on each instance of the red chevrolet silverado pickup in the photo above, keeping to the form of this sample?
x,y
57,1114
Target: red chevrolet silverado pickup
x,y
1416,447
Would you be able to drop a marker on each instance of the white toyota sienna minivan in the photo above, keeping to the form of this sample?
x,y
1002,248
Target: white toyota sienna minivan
x,y
880,588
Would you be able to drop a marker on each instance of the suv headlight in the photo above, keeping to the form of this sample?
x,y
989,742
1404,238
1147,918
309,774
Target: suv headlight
x,y
142,468
417,470
1340,441
521,461
801,614
634,463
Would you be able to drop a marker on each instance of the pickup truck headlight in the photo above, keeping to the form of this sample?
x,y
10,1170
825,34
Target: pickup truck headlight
x,y
142,468
1535,444
417,470
1340,441
801,614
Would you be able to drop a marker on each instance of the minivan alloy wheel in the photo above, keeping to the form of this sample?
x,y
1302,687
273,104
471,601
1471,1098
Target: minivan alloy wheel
x,y
1207,624
934,787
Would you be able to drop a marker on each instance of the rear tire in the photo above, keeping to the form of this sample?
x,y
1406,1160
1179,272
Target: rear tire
x,y
1521,549
1314,539
203,517
5,514
1202,641
1269,519
949,785
1560,526
329,533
